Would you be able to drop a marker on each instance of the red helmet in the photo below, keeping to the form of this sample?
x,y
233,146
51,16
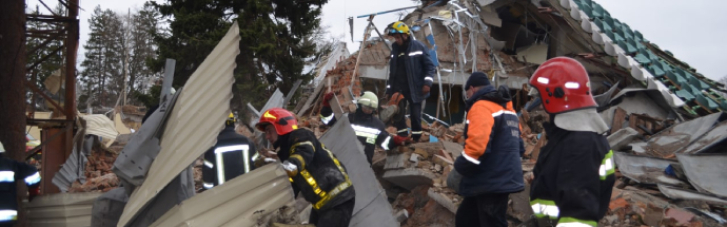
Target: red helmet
x,y
283,120
563,85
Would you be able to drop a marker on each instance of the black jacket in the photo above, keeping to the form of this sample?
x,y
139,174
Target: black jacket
x,y
235,153
369,130
10,172
419,68
491,162
573,176
321,177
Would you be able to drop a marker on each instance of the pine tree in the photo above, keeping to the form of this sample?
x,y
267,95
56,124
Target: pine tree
x,y
102,73
276,40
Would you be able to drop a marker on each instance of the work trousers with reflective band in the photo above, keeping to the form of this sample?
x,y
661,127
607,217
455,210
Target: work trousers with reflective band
x,y
339,215
415,114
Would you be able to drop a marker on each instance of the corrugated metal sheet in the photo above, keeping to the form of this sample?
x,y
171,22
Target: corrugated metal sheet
x,y
239,202
706,172
686,194
61,210
276,100
194,123
645,170
372,207
75,165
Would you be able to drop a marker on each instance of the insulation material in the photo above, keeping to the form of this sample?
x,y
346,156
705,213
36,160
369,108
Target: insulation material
x,y
187,135
102,126
120,127
240,202
61,210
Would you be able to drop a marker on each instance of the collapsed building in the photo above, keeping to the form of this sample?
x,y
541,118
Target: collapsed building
x,y
667,129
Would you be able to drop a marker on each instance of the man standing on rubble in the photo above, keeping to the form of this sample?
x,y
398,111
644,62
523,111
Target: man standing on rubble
x,y
490,164
312,168
232,156
574,174
10,172
369,129
410,74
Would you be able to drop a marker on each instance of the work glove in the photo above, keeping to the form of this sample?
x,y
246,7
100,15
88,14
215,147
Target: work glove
x,y
33,192
327,98
290,168
425,89
400,140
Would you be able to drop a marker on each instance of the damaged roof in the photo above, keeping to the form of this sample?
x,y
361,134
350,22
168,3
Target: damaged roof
x,y
656,68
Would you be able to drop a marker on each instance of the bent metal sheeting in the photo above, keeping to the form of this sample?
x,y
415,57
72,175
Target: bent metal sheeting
x,y
194,123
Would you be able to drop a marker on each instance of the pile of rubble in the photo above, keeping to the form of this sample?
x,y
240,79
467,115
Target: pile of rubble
x,y
97,171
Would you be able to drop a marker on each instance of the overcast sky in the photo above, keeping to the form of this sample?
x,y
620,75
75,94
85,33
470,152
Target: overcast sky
x,y
692,30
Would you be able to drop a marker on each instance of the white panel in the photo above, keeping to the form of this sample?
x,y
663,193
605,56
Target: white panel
x,y
194,123
639,73
565,4
575,13
586,25
610,48
623,60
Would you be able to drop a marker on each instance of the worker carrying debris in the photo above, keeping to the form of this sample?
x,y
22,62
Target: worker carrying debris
x,y
574,174
10,172
312,168
410,73
369,129
490,164
232,156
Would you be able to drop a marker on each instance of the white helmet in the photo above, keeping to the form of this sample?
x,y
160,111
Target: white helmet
x,y
369,99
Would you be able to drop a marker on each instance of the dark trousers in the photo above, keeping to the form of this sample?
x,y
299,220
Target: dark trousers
x,y
483,210
415,114
338,216
7,224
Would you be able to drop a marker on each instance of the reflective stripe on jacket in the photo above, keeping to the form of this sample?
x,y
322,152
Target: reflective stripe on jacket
x,y
369,129
321,177
574,177
490,162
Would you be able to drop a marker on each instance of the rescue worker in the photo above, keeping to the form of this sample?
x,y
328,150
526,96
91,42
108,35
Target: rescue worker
x,y
232,156
410,73
490,164
369,129
10,172
312,168
574,174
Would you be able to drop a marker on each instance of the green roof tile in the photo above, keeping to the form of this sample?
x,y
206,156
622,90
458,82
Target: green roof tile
x,y
642,59
656,70
676,78
686,95
630,49
706,102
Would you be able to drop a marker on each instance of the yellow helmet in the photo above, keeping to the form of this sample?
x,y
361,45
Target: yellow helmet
x,y
230,119
398,27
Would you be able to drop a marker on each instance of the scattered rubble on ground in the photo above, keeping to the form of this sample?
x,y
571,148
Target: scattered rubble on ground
x,y
99,177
